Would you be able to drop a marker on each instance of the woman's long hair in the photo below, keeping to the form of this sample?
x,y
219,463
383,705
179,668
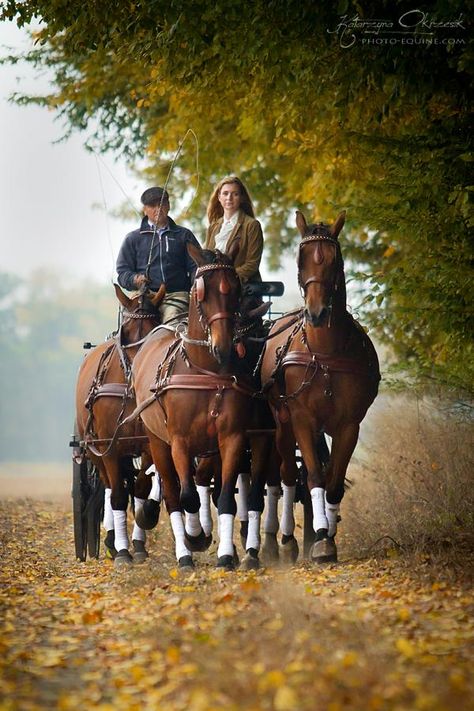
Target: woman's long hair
x,y
215,209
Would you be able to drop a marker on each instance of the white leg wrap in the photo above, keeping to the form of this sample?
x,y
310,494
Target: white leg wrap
x,y
332,511
177,525
193,524
287,525
243,485
319,510
270,523
138,534
226,535
205,510
155,492
253,536
108,513
121,535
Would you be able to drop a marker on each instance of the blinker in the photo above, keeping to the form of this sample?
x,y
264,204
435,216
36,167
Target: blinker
x,y
240,349
200,288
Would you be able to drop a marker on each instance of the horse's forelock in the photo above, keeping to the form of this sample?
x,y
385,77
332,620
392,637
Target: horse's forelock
x,y
316,227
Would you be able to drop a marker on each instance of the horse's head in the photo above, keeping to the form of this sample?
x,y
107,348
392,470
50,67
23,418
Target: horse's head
x,y
320,267
140,313
215,299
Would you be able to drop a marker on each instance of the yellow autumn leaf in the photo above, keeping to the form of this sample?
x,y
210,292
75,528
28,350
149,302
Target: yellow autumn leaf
x,y
404,614
173,654
405,647
389,251
285,699
271,680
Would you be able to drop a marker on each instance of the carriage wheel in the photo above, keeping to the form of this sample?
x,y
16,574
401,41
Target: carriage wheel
x,y
78,505
88,507
94,511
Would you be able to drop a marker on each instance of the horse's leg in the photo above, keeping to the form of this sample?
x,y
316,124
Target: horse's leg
x,y
161,453
231,448
109,542
308,438
119,502
343,444
286,444
204,472
270,553
261,451
243,489
196,539
142,491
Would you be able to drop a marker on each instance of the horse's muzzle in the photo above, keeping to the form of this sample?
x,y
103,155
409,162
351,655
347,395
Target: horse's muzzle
x,y
222,355
316,318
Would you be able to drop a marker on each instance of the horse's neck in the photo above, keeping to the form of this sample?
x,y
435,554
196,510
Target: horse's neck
x,y
331,338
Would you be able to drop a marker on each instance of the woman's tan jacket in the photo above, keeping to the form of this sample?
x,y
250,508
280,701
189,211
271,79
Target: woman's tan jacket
x,y
249,233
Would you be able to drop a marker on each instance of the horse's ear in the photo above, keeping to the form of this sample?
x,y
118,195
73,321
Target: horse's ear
x,y
156,297
301,222
234,250
195,252
123,298
339,224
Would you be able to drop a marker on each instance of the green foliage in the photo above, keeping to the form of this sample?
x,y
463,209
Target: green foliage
x,y
382,131
42,329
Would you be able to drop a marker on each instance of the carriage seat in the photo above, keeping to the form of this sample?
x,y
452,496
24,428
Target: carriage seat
x,y
264,288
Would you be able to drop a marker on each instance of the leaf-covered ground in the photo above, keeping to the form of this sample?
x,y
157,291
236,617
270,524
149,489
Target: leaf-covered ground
x,y
373,634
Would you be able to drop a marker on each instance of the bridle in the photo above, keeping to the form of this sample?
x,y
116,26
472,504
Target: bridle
x,y
319,235
199,294
141,314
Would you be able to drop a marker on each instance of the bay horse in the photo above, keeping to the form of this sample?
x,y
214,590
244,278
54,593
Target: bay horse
x,y
321,375
200,403
104,397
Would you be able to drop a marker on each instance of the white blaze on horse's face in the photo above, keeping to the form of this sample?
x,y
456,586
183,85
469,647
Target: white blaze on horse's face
x,y
318,275
217,291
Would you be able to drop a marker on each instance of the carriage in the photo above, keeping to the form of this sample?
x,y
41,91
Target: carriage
x,y
318,374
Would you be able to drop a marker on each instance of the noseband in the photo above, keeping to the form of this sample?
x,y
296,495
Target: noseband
x,y
200,293
320,234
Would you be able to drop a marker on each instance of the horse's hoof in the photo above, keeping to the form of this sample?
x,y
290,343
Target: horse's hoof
x,y
147,516
198,543
289,550
270,552
140,553
109,547
123,558
324,551
226,562
250,560
186,563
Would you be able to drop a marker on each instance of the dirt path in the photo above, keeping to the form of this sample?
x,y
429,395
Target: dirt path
x,y
357,635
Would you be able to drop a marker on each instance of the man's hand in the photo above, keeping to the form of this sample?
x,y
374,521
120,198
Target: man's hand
x,y
140,280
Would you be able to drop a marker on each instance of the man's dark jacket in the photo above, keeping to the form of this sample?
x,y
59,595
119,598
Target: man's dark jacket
x,y
170,263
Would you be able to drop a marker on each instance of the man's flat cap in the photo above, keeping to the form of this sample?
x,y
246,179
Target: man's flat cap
x,y
154,196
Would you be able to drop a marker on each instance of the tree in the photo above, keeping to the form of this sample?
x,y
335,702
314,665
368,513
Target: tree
x,y
380,130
